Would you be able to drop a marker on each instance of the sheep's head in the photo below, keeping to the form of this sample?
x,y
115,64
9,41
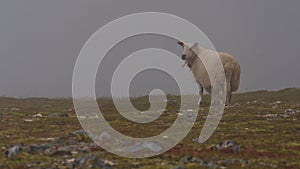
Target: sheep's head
x,y
188,50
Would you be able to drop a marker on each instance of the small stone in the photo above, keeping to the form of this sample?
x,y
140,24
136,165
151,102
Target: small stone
x,y
47,139
78,133
165,137
89,161
178,167
270,115
230,161
227,145
28,165
13,151
287,113
186,159
61,153
81,117
252,102
74,152
189,159
38,148
14,109
58,115
180,113
103,136
211,165
70,160
275,107
28,120
109,162
37,115
145,145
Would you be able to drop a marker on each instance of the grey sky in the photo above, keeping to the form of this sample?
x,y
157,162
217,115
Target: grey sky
x,y
41,39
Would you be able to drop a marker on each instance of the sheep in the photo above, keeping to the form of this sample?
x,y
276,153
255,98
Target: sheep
x,y
231,67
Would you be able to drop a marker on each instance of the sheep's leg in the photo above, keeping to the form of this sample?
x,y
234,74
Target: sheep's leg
x,y
228,94
200,94
228,68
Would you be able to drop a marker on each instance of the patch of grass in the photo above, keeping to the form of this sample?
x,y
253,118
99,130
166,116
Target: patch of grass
x,y
265,142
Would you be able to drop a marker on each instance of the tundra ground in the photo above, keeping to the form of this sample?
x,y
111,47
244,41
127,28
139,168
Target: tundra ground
x,y
266,126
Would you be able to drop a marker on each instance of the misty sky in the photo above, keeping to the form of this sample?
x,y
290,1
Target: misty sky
x,y
41,39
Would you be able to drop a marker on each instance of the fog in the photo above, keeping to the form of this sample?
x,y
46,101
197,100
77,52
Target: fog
x,y
41,39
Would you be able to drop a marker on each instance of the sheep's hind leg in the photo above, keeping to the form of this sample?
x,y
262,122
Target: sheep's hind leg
x,y
228,95
200,94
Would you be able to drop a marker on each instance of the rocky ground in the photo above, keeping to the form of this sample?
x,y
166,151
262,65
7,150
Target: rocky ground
x,y
259,130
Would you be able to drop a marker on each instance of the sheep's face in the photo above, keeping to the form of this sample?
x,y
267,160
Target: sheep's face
x,y
188,52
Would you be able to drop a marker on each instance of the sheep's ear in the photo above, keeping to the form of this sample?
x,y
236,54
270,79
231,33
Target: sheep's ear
x,y
180,43
196,44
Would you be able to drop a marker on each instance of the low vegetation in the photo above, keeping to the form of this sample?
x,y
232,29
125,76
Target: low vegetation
x,y
264,124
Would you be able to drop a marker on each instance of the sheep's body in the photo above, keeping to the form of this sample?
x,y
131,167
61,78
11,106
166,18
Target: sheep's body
x,y
231,69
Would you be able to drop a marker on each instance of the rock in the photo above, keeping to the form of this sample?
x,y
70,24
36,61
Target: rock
x,y
142,146
270,116
165,137
100,164
13,151
14,109
227,145
28,120
1,115
68,110
288,113
58,115
37,115
275,103
252,102
186,159
81,117
233,105
33,148
72,142
79,133
103,136
89,161
61,153
275,107
50,139
178,167
211,165
232,161
4,136
189,159
109,162
180,114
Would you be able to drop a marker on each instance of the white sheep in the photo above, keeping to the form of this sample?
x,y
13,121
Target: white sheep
x,y
192,54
